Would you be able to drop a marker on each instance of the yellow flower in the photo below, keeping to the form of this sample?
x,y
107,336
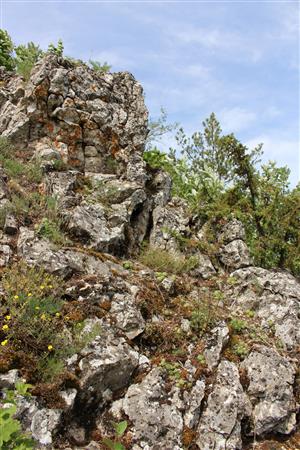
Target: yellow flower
x,y
5,327
50,347
57,314
43,316
4,342
29,294
42,287
37,308
16,297
50,287
7,317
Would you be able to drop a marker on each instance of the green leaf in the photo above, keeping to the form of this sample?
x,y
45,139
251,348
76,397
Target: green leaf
x,y
109,443
22,388
120,428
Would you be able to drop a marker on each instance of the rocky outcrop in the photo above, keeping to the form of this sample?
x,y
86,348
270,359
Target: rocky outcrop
x,y
204,357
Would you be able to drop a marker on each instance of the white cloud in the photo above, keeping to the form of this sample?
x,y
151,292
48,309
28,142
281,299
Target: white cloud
x,y
236,119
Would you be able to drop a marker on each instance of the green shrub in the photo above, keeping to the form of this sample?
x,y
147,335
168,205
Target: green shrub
x,y
6,50
99,67
51,229
26,57
11,436
165,261
237,325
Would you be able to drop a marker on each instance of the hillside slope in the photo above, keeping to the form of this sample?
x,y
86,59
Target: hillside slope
x,y
114,305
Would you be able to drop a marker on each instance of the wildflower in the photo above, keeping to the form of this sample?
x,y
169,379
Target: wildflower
x,y
5,327
57,314
3,343
37,308
7,317
29,294
50,347
43,316
16,297
50,286
42,287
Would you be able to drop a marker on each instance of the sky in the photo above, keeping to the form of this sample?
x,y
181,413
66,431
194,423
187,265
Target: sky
x,y
238,59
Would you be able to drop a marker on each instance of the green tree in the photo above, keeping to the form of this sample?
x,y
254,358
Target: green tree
x,y
57,50
6,50
26,57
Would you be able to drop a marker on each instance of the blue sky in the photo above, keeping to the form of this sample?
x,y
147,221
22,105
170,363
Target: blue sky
x,y
239,59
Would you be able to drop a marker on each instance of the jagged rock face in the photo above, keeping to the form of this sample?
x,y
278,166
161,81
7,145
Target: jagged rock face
x,y
220,424
271,379
208,386
275,298
155,415
96,122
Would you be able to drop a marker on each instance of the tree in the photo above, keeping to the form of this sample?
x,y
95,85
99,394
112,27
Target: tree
x,y
26,57
6,51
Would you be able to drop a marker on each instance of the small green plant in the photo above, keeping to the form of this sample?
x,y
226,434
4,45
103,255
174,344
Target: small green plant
x,y
160,276
237,325
241,349
57,50
164,261
250,313
128,265
11,436
99,67
115,444
51,230
201,359
202,318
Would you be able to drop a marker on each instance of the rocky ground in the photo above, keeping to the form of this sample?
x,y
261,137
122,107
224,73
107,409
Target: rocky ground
x,y
187,341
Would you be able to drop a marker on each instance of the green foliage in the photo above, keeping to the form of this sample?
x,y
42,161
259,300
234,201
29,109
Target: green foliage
x,y
241,349
220,179
164,261
120,429
202,318
11,436
237,325
26,57
6,50
57,50
51,229
99,67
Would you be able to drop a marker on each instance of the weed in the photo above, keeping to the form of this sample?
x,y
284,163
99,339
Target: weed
x,y
164,261
115,444
51,230
202,318
201,359
241,349
237,325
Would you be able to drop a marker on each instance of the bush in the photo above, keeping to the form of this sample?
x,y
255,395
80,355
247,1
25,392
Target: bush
x,y
11,436
6,50
165,261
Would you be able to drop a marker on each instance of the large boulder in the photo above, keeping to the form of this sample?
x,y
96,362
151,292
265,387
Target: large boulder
x,y
96,121
271,378
274,297
227,406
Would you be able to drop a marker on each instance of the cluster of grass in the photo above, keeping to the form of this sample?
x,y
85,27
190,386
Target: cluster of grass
x,y
165,261
34,323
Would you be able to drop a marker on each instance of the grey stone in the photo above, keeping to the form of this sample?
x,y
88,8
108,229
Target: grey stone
x,y
220,424
270,390
275,298
106,363
5,255
193,402
10,225
127,316
9,379
235,255
215,343
157,421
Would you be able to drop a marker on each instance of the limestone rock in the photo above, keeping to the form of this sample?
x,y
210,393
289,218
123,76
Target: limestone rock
x,y
271,379
235,255
106,364
157,421
275,298
193,401
215,342
227,405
